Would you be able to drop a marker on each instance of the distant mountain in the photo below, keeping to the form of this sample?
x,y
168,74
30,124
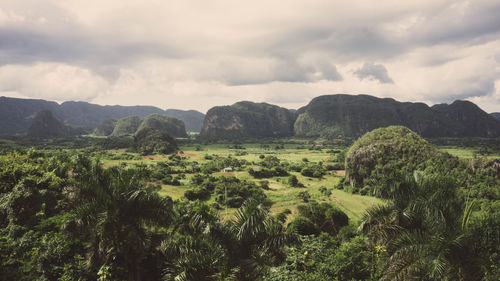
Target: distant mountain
x,y
16,114
129,126
193,120
173,126
91,115
353,116
45,125
126,126
496,115
467,119
247,119
325,116
105,128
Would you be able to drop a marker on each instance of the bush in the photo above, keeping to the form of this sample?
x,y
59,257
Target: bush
x,y
326,217
326,192
304,195
197,194
237,191
313,172
264,184
335,167
149,141
303,226
293,181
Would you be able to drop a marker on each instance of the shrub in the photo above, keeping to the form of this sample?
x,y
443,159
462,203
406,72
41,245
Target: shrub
x,y
197,194
303,226
304,195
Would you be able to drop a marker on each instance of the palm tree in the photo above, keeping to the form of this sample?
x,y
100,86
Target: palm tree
x,y
258,240
191,250
422,227
208,248
117,212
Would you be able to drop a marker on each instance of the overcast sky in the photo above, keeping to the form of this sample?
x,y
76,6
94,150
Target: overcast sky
x,y
197,54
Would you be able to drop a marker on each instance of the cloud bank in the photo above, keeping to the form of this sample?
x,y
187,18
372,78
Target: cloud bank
x,y
198,54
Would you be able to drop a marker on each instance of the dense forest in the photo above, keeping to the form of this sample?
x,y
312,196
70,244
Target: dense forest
x,y
149,207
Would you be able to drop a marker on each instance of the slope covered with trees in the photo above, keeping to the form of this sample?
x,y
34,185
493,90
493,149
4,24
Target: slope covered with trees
x,y
352,116
44,126
105,128
16,114
496,115
126,126
173,126
386,155
247,119
83,215
192,119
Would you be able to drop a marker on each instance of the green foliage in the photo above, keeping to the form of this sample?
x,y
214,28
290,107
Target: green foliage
x,y
45,125
303,226
126,126
320,258
294,182
149,141
385,155
267,173
118,211
304,196
384,152
106,127
63,216
192,119
206,248
422,230
197,194
338,116
171,125
325,217
232,192
313,171
247,119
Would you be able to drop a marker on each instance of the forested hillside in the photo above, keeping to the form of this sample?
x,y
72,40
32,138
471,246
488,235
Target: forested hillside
x,y
496,115
331,116
16,114
247,119
192,119
352,116
275,210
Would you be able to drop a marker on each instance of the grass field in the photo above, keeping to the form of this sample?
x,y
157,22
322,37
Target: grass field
x,y
280,193
467,152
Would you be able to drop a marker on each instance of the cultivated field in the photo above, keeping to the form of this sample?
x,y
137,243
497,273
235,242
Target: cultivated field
x,y
280,193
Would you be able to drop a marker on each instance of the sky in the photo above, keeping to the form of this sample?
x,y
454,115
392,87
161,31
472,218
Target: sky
x,y
196,54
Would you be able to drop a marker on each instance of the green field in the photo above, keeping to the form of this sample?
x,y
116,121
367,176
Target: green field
x,y
280,193
468,152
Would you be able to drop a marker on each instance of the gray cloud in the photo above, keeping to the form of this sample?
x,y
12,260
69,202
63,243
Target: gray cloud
x,y
178,49
374,72
278,70
24,46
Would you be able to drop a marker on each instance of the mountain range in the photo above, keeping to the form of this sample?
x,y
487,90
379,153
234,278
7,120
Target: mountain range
x,y
337,116
16,114
496,115
330,116
355,115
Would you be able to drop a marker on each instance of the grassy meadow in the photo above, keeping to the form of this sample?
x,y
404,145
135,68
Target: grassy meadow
x,y
280,193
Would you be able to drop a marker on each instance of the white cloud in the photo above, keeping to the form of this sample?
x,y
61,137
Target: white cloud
x,y
51,81
198,54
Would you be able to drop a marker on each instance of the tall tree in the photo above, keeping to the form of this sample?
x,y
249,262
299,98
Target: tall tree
x,y
207,247
423,228
118,212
